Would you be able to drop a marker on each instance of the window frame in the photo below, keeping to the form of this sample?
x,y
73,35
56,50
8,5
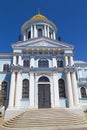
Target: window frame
x,y
6,68
60,63
25,89
83,92
43,63
62,92
26,63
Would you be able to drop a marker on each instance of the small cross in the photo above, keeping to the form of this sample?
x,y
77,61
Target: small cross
x,y
38,11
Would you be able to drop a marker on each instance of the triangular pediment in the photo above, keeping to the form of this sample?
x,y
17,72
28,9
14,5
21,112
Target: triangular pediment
x,y
46,43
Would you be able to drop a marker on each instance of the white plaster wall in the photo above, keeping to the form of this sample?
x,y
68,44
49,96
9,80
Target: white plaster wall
x,y
25,76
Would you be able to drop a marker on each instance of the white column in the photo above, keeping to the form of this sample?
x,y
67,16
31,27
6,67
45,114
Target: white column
x,y
31,94
71,60
20,60
79,92
12,90
54,36
31,31
32,62
75,89
45,32
54,62
14,60
48,31
69,89
35,31
66,60
24,36
56,90
18,90
0,85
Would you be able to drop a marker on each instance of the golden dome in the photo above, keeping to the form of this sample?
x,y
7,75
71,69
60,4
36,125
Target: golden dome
x,y
39,16
35,19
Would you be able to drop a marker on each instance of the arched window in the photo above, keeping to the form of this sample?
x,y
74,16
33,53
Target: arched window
x,y
43,79
43,63
25,88
61,88
26,63
59,63
39,32
29,34
6,67
83,92
4,90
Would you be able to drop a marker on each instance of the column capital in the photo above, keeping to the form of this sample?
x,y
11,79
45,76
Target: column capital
x,y
69,69
19,72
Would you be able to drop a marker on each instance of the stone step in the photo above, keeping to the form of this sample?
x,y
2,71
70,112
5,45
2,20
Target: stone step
x,y
44,118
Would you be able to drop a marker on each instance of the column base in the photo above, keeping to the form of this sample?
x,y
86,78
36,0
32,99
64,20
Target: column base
x,y
77,110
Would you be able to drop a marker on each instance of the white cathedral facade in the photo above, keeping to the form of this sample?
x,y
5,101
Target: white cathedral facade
x,y
41,72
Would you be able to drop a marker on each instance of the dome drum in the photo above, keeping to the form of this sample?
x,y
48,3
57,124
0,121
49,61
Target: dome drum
x,y
38,26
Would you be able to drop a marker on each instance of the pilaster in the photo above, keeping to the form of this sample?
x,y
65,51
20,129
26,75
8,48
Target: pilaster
x,y
35,31
12,90
71,60
56,90
74,88
45,32
24,36
31,31
54,36
18,90
54,62
69,89
31,92
48,31
66,60
20,60
14,60
32,62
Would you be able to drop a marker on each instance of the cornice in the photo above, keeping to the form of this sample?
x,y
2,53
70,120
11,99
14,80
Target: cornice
x,y
34,40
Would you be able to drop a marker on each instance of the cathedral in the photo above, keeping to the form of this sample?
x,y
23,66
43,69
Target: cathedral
x,y
41,72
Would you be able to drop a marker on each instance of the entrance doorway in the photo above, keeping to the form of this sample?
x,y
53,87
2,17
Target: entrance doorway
x,y
44,99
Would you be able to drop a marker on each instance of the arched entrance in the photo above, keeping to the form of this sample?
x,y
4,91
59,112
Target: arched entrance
x,y
44,98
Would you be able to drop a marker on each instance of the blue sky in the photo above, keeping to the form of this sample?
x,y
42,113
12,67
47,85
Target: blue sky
x,y
70,17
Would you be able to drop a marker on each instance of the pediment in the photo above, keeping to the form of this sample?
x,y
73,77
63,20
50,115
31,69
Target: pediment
x,y
42,43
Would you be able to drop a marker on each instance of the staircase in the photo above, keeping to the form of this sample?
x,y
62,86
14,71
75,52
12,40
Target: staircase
x,y
48,119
